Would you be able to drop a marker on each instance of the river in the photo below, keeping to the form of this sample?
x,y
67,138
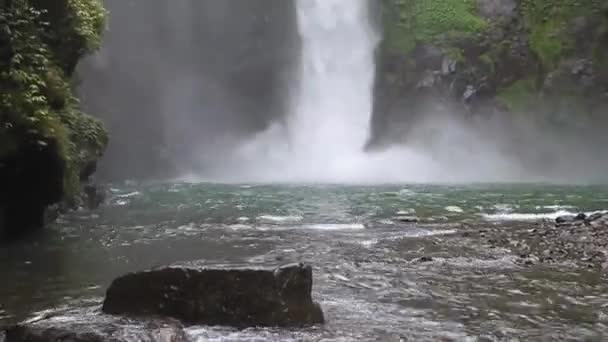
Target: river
x,y
368,275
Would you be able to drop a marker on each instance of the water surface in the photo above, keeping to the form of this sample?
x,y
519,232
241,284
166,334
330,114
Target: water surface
x,y
368,276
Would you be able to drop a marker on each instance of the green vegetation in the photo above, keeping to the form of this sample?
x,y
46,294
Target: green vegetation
x,y
411,21
519,96
549,22
546,55
37,104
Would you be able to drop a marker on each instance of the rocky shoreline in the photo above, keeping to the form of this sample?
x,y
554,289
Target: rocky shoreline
x,y
578,240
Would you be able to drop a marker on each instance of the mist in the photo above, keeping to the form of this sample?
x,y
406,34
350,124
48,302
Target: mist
x,y
283,91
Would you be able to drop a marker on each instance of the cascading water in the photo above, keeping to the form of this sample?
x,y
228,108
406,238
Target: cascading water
x,y
331,110
323,136
326,128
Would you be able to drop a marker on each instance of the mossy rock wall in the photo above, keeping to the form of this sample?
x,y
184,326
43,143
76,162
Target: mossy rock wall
x,y
537,58
47,145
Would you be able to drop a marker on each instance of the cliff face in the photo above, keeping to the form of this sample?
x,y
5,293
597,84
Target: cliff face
x,y
178,81
537,61
47,145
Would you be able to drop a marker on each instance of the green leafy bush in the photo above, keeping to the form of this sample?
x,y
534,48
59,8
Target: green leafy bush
x,y
37,104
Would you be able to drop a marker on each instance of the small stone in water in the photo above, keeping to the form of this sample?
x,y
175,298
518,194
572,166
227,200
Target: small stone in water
x,y
425,259
406,219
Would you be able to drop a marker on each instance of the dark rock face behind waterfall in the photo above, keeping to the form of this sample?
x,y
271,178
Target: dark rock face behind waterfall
x,y
179,81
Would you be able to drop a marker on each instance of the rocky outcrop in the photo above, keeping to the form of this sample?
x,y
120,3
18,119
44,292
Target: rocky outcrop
x,y
542,60
79,327
48,147
233,297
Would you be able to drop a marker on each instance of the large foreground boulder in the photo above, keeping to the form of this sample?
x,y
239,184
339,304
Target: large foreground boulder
x,y
82,327
240,297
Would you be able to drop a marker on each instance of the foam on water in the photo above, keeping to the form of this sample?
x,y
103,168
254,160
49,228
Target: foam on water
x,y
335,226
454,209
279,219
526,216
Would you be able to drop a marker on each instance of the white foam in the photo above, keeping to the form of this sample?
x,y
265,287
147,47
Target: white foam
x,y
405,212
556,207
526,216
130,194
240,227
279,219
121,202
369,243
336,226
454,209
434,233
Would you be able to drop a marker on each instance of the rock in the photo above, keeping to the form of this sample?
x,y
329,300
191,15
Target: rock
x,y
568,219
95,328
425,259
594,217
494,9
406,219
93,196
565,219
240,297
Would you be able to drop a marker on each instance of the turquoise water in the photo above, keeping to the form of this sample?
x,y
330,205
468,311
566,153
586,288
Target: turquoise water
x,y
367,276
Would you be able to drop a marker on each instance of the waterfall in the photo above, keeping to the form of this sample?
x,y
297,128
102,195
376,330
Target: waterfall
x,y
328,123
331,108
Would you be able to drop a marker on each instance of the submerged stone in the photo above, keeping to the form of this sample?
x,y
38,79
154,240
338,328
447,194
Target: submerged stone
x,y
240,297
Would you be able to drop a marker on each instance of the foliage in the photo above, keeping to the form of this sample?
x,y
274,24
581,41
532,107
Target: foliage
x,y
89,18
411,21
548,23
519,96
37,105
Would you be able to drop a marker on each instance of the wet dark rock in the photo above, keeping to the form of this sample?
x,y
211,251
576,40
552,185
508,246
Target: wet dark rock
x,y
240,297
95,328
406,219
93,196
565,219
493,9
424,259
594,217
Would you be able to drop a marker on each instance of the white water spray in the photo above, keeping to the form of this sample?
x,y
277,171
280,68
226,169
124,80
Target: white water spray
x,y
331,111
328,124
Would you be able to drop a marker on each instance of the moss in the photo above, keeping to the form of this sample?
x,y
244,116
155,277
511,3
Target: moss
x,y
519,96
37,104
548,23
411,21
